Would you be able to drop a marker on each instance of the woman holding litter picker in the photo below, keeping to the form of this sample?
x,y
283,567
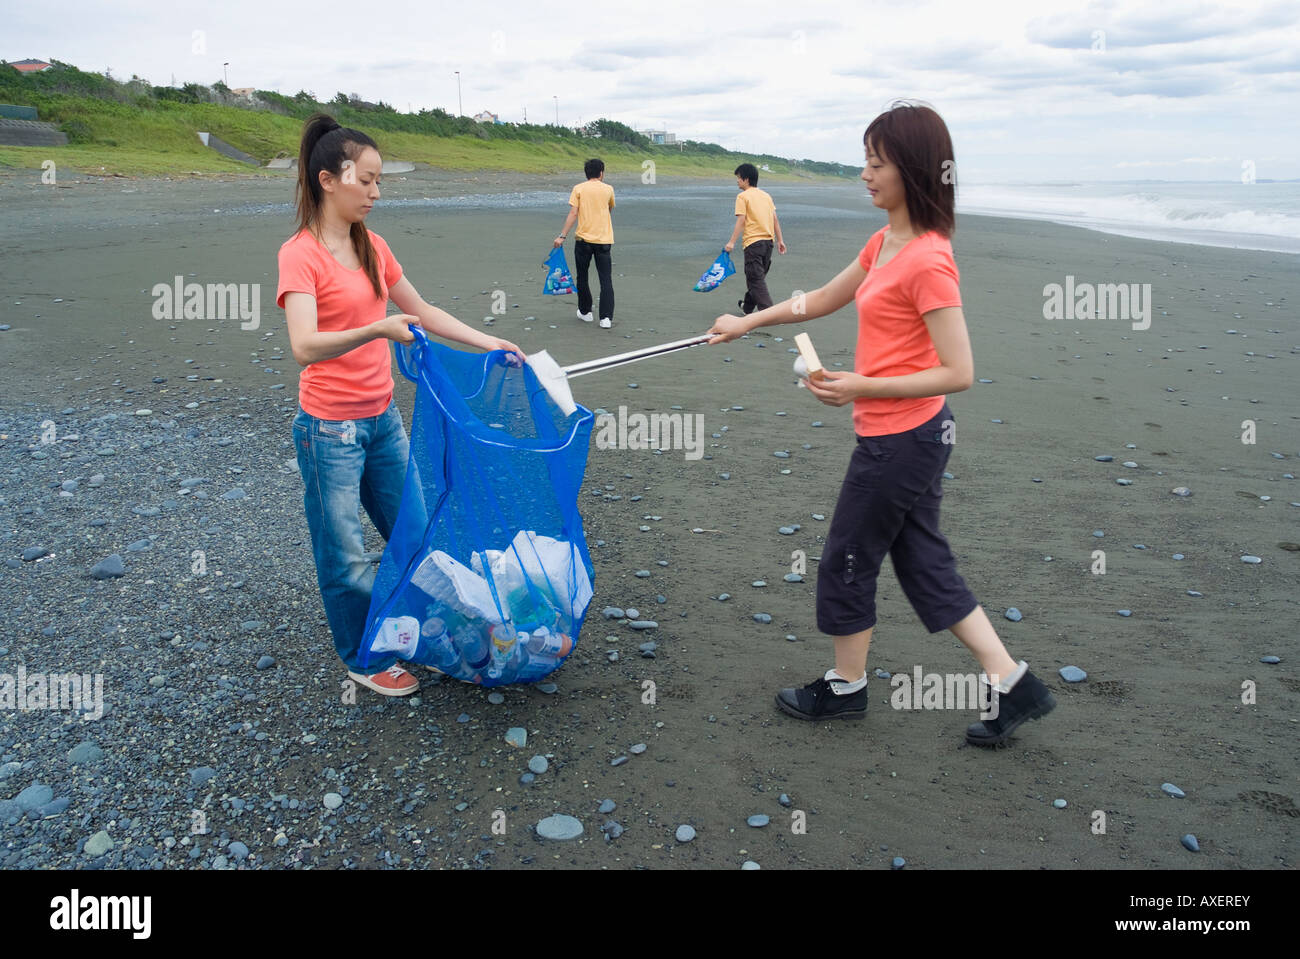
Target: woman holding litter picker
x,y
912,350
336,280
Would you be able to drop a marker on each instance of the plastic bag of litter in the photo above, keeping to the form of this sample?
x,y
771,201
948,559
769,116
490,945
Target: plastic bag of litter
x,y
721,269
558,278
486,576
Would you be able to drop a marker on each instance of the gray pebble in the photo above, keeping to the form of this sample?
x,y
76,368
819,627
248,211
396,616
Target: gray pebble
x,y
782,454
638,749
763,618
1253,560
1179,556
612,830
517,736
786,530
898,863
527,779
1059,803
793,578
723,597
1014,614
618,760
1104,459
33,797
685,833
1172,790
749,865
633,613
547,688
496,699
235,493
606,807
333,801
559,827
612,612
784,800
109,568
86,752
1189,842
1073,674
758,583
266,662
1125,612
1270,660
238,850
642,573
35,553
98,844
758,820
644,624
201,775
538,765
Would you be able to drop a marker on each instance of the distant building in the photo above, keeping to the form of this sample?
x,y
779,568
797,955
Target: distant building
x,y
31,66
487,116
244,92
661,137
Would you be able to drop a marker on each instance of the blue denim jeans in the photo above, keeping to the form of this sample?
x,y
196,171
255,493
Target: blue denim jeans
x,y
346,465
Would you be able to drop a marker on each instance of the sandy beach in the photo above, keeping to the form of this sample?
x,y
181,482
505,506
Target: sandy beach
x,y
1175,692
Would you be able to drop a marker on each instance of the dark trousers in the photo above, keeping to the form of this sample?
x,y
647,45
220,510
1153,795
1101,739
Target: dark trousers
x,y
758,260
889,503
583,253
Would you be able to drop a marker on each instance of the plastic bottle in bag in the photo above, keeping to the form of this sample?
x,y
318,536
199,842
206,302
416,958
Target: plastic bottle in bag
x,y
435,647
474,649
504,640
544,650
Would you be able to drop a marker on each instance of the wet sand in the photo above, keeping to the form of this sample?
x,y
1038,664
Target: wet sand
x,y
1163,697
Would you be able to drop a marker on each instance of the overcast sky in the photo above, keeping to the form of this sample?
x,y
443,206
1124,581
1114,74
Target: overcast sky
x,y
1032,90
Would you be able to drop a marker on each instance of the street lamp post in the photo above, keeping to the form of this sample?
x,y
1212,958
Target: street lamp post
x,y
557,109
226,72
460,106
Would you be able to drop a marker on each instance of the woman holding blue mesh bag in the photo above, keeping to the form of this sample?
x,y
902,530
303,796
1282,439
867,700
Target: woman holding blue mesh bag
x,y
336,279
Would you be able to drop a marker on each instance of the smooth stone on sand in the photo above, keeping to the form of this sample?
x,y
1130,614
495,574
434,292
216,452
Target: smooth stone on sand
x,y
86,752
547,688
1123,482
618,760
637,749
612,612
1172,790
1194,592
793,578
782,454
1189,842
644,624
1104,459
606,806
559,827
1098,533
898,863
1253,560
749,865
1270,660
642,574
98,844
723,597
1181,491
1014,614
1179,556
495,698
758,820
538,765
785,800
33,797
1059,803
633,613
266,662
1124,612
517,736
1130,464
762,618
35,553
1073,674
685,833
332,801
108,568
786,530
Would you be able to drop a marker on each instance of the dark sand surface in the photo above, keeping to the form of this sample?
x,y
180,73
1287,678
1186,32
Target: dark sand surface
x,y
1163,698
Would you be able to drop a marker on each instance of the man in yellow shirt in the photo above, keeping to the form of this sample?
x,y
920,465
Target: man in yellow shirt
x,y
589,204
756,215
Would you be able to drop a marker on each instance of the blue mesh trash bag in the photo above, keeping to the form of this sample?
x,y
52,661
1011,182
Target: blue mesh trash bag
x,y
721,269
486,576
558,278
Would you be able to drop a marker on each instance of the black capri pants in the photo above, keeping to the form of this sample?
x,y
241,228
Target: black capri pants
x,y
889,503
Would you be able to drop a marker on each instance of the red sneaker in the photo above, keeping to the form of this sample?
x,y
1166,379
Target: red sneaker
x,y
393,681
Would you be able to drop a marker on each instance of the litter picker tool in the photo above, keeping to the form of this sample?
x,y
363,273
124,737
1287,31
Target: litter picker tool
x,y
807,365
555,378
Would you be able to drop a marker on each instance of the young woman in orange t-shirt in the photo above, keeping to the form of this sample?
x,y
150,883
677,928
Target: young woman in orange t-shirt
x,y
913,349
336,280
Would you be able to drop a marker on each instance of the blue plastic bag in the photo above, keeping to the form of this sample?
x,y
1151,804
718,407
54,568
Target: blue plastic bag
x,y
558,279
486,576
721,269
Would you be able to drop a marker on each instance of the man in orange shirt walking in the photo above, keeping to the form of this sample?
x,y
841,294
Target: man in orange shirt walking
x,y
756,215
589,204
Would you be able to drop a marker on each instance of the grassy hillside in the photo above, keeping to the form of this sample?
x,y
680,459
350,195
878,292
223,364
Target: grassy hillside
x,y
133,128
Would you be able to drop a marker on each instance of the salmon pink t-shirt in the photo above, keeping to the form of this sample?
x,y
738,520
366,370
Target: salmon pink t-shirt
x,y
358,384
893,339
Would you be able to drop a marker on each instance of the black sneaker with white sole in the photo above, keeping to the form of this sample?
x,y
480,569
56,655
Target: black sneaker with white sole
x,y
818,701
1028,699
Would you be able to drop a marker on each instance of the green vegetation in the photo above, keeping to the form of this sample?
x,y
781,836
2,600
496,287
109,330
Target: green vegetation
x,y
134,128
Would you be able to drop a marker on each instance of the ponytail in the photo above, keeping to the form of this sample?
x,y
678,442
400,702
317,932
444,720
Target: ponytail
x,y
325,146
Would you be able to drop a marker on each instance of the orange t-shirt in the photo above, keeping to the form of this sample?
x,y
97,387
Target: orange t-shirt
x,y
358,384
893,339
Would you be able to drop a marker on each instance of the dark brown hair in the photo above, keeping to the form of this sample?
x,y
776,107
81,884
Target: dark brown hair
x,y
325,146
915,139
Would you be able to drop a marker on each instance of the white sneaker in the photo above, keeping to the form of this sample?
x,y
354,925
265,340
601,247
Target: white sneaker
x,y
585,317
606,322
